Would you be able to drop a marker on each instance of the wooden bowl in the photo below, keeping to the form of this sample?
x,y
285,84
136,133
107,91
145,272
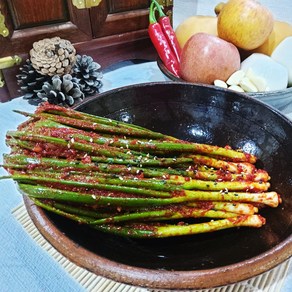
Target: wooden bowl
x,y
280,99
203,114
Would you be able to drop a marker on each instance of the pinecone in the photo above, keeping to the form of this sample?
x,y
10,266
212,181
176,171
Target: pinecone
x,y
53,56
62,90
30,81
88,73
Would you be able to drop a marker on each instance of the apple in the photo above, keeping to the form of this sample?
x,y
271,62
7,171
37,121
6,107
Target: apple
x,y
206,57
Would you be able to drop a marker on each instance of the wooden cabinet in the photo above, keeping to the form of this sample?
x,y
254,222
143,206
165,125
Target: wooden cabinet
x,y
111,31
31,20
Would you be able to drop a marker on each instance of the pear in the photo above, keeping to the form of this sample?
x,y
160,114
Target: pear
x,y
245,23
280,31
195,24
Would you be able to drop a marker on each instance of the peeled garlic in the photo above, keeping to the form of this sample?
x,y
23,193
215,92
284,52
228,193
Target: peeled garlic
x,y
236,88
220,83
235,78
247,85
258,81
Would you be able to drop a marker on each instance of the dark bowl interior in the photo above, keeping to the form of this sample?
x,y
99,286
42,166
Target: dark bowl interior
x,y
207,115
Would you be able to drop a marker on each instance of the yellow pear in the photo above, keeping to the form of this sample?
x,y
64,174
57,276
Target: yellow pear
x,y
245,23
193,25
280,31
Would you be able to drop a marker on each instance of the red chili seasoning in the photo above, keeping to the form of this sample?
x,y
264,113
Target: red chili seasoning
x,y
161,44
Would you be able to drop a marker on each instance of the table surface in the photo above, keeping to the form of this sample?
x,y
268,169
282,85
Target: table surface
x,y
25,266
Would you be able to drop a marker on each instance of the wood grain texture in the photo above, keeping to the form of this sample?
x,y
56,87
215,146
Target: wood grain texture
x,y
126,5
27,13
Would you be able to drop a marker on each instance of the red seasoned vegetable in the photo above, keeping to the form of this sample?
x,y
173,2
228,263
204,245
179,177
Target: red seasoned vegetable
x,y
111,176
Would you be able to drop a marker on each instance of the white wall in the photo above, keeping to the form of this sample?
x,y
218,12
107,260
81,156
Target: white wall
x,y
281,9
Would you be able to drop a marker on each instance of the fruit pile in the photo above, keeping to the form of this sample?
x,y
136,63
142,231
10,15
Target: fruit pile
x,y
242,48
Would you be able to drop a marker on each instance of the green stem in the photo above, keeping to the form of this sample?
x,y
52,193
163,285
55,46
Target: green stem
x,y
214,225
19,160
165,214
99,186
233,167
105,150
166,146
103,128
142,184
269,198
145,230
238,208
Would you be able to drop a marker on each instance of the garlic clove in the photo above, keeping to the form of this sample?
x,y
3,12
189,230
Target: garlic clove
x,y
247,85
236,77
236,88
258,81
220,83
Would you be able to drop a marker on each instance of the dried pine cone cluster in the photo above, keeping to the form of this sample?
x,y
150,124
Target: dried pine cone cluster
x,y
54,73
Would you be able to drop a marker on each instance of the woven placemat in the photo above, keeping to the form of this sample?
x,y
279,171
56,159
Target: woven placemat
x,y
271,281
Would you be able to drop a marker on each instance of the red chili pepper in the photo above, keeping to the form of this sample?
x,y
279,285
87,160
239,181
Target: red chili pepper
x,y
161,44
166,26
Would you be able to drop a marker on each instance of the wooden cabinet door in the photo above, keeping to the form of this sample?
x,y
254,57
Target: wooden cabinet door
x,y
113,17
31,20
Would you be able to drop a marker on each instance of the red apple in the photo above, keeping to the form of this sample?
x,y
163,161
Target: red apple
x,y
206,58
